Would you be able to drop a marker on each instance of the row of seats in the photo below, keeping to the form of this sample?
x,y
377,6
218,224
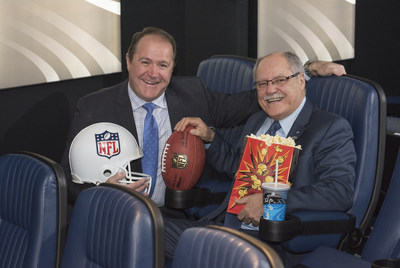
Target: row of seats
x,y
115,227
111,226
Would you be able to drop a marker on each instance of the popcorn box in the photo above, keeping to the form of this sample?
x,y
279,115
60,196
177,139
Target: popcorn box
x,y
263,159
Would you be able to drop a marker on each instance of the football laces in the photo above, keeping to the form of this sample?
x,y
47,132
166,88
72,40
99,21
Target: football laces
x,y
164,156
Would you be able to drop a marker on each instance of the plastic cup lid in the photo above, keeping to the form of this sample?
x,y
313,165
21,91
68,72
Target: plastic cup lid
x,y
275,186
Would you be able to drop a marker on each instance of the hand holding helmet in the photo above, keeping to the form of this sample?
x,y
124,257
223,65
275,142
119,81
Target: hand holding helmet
x,y
140,185
101,151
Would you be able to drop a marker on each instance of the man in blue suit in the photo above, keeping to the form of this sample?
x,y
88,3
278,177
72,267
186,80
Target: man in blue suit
x,y
325,174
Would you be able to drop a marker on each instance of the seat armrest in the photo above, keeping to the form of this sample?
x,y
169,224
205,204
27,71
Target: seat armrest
x,y
304,231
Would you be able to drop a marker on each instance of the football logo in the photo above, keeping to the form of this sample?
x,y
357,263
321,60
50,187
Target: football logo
x,y
107,144
179,161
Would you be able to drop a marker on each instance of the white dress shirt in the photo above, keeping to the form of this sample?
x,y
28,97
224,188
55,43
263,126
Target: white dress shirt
x,y
164,131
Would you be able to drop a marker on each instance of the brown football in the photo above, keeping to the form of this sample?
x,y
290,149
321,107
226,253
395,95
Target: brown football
x,y
183,160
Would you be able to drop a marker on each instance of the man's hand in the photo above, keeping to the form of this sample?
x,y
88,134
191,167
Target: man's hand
x,y
138,186
253,209
325,68
200,130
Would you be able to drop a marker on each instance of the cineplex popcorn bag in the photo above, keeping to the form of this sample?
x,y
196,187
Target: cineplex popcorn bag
x,y
264,159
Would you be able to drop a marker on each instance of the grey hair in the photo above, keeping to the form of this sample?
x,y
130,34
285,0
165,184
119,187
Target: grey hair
x,y
294,62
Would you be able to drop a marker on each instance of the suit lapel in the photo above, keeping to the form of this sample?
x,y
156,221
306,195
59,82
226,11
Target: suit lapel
x,y
299,126
173,101
124,113
124,109
254,123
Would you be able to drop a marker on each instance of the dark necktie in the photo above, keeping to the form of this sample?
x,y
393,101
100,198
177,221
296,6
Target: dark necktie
x,y
150,145
273,128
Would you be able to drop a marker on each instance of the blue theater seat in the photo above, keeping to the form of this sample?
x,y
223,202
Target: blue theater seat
x,y
226,74
362,102
33,207
221,247
113,226
383,242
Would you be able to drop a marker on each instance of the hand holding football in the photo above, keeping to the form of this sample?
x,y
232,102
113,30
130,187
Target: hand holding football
x,y
183,160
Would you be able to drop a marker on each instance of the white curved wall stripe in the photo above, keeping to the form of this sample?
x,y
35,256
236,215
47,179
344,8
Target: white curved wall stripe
x,y
109,5
107,61
317,45
48,72
291,42
73,64
344,47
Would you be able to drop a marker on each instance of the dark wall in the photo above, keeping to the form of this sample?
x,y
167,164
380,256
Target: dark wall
x,y
166,14
376,43
214,27
37,117
201,28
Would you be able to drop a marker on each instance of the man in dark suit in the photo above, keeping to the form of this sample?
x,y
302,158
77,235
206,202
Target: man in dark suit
x,y
150,62
151,58
325,174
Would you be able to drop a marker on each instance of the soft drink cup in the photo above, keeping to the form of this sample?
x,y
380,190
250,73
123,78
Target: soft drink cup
x,y
274,198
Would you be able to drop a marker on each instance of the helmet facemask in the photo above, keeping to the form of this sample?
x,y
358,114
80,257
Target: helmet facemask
x,y
132,176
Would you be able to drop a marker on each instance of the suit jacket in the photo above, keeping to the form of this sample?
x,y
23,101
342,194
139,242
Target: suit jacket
x,y
325,174
185,97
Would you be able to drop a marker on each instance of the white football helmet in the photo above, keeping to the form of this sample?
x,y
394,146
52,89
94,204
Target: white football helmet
x,y
101,150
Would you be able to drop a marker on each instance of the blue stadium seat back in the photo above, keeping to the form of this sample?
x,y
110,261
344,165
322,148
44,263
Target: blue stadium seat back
x,y
112,226
226,74
33,208
383,242
220,247
362,102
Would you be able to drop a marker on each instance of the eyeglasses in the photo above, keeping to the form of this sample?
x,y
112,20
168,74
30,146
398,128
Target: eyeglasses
x,y
279,81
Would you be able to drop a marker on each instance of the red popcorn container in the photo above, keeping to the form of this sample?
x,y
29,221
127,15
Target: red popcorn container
x,y
263,162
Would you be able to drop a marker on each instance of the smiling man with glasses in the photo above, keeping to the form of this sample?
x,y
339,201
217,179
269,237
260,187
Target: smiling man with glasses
x,y
280,84
325,174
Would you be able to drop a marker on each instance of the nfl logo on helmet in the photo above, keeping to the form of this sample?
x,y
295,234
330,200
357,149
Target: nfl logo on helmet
x,y
107,144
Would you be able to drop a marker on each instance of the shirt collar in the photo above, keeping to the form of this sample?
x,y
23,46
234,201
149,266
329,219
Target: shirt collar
x,y
287,122
138,102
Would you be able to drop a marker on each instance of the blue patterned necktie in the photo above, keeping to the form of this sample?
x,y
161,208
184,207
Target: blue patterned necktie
x,y
150,145
273,128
